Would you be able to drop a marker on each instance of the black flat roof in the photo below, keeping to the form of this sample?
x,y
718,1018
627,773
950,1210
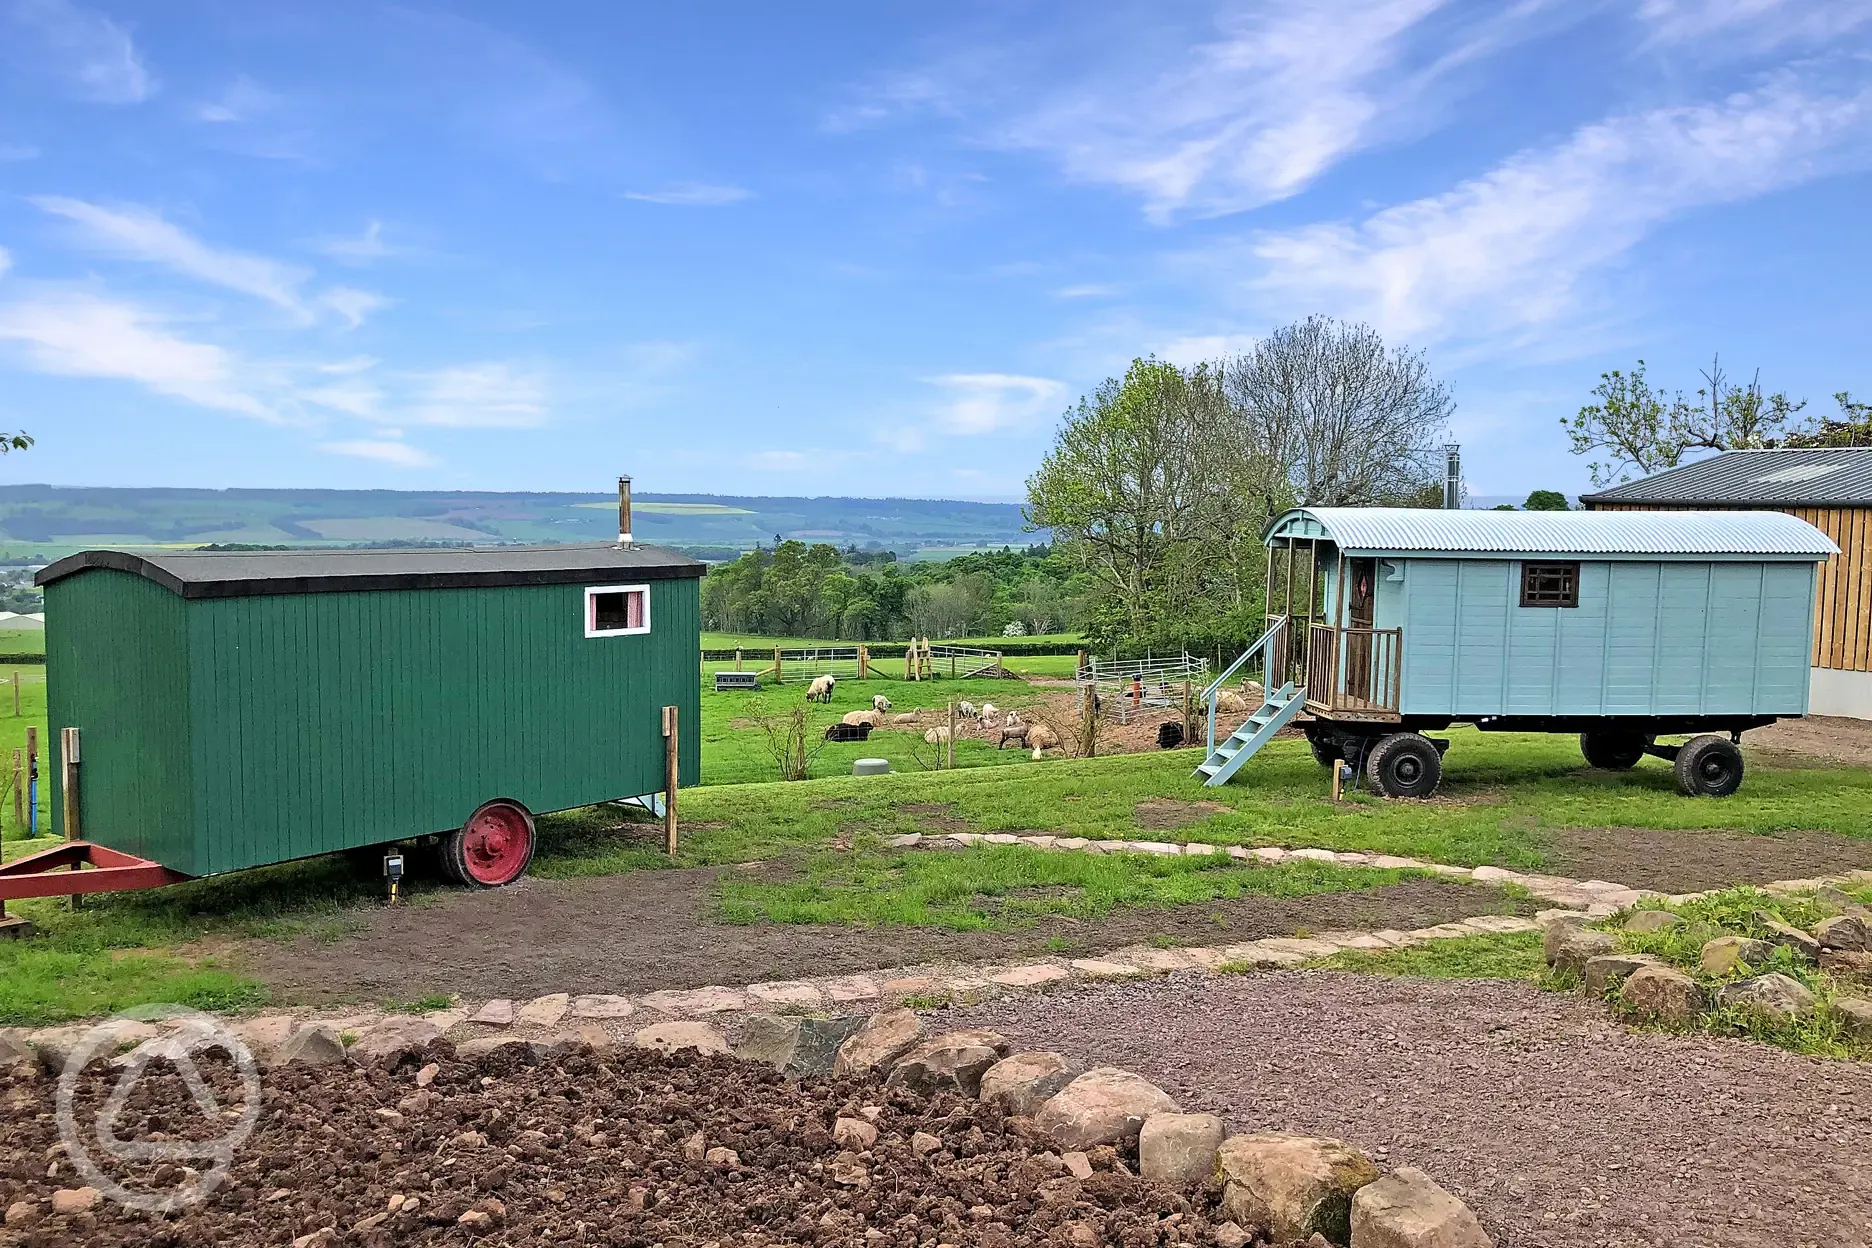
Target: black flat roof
x,y
1812,477
247,573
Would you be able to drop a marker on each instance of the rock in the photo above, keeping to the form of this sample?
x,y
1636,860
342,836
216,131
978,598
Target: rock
x,y
311,1044
880,1040
1844,931
72,1200
393,1036
1103,1106
672,1037
1179,1148
496,1013
952,1062
1662,994
1077,1164
854,1133
1021,1083
1774,996
14,1050
719,1156
1406,1209
800,1046
1229,1235
1651,922
22,1214
600,1005
264,1035
53,1045
481,1046
1609,970
1725,954
1779,933
1556,926
1292,1186
543,1011
1576,946
694,1146
922,1143
1847,963
1855,1016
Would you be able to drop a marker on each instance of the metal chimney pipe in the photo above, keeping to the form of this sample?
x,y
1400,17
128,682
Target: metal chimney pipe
x,y
1452,477
624,519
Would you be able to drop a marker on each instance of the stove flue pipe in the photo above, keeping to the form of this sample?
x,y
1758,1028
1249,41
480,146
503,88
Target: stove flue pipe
x,y
624,516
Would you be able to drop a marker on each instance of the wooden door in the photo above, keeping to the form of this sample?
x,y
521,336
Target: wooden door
x,y
1361,586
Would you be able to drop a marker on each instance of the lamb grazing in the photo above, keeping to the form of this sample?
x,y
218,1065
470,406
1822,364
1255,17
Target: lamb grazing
x,y
936,735
821,689
1041,737
1013,720
880,703
1017,733
906,719
967,710
868,719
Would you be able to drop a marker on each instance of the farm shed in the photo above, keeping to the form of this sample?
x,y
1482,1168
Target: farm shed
x,y
1828,487
241,708
1387,622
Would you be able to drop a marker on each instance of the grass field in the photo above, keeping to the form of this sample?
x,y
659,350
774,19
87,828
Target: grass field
x,y
22,641
753,641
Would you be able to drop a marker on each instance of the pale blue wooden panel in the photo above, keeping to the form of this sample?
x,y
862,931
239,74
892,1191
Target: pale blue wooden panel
x,y
1784,646
1580,684
1430,637
1482,636
1631,637
1734,625
1683,614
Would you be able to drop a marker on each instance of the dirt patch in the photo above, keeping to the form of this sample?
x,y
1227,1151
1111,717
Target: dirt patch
x,y
1166,814
938,818
1826,737
586,1148
1689,860
647,930
1560,1127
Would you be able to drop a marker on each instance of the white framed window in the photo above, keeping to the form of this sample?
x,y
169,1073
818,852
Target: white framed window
x,y
616,610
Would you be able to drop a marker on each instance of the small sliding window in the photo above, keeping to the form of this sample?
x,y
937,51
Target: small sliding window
x,y
1550,584
617,610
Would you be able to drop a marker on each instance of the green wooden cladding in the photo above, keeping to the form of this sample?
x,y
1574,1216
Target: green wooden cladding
x,y
222,733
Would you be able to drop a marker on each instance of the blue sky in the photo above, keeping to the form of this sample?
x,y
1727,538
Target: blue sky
x,y
867,249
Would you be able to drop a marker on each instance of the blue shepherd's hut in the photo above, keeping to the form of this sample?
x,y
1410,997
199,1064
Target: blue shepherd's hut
x,y
1385,623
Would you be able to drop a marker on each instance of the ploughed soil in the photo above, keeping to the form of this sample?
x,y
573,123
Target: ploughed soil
x,y
583,1148
648,930
1689,860
1559,1126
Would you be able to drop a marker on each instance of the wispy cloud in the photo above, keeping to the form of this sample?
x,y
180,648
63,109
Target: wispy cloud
x,y
399,454
18,151
1090,290
362,248
980,403
780,461
1765,23
76,334
693,195
244,100
139,234
487,395
93,56
1511,249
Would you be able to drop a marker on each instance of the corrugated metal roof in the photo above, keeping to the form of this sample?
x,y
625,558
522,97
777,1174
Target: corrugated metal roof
x,y
240,573
1822,476
1381,530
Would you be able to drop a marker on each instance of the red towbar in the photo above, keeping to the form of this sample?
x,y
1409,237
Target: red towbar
x,y
81,867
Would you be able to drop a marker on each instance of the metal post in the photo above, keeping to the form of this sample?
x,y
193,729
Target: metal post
x,y
68,790
624,511
32,781
19,789
670,779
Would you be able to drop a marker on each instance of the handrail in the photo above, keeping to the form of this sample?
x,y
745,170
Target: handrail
x,y
1209,692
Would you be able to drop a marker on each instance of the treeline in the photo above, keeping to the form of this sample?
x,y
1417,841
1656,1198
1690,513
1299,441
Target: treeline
x,y
796,590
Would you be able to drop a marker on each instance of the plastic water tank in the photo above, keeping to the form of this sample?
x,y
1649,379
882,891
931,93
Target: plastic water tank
x,y
870,766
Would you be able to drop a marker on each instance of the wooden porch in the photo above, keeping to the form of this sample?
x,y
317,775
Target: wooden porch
x,y
1353,673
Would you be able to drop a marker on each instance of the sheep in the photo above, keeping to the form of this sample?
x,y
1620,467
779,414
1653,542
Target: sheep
x,y
821,689
966,710
907,719
880,703
937,735
1017,733
1013,720
868,719
1228,702
1041,737
987,709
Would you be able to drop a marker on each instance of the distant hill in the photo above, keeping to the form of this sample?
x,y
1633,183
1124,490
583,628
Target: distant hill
x,y
43,521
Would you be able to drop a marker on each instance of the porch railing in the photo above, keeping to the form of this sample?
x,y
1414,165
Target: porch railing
x,y
1354,672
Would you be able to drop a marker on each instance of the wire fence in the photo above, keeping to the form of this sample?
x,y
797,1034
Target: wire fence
x,y
1127,688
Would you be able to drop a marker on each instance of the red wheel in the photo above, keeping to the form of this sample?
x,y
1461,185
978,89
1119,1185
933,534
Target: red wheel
x,y
492,848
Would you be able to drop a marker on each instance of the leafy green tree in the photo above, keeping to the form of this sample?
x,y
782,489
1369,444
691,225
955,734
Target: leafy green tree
x,y
1852,428
1547,500
1644,430
15,441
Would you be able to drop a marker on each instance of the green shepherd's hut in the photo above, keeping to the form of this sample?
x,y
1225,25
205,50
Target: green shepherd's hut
x,y
236,708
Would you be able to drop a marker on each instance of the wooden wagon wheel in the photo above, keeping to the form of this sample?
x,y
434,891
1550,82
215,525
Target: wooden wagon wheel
x,y
491,849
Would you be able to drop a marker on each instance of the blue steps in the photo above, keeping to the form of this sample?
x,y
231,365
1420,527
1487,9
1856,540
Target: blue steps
x,y
1255,732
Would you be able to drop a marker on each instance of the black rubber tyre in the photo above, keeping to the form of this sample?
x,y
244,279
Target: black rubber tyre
x,y
1404,764
1708,766
1325,748
1613,749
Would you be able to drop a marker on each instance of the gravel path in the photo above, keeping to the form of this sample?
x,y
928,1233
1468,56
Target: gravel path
x,y
1561,1128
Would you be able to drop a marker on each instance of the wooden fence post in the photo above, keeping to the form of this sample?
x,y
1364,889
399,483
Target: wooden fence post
x,y
737,658
16,704
864,662
670,778
776,665
951,735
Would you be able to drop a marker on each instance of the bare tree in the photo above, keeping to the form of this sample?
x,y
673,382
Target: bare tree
x,y
1645,430
1341,420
